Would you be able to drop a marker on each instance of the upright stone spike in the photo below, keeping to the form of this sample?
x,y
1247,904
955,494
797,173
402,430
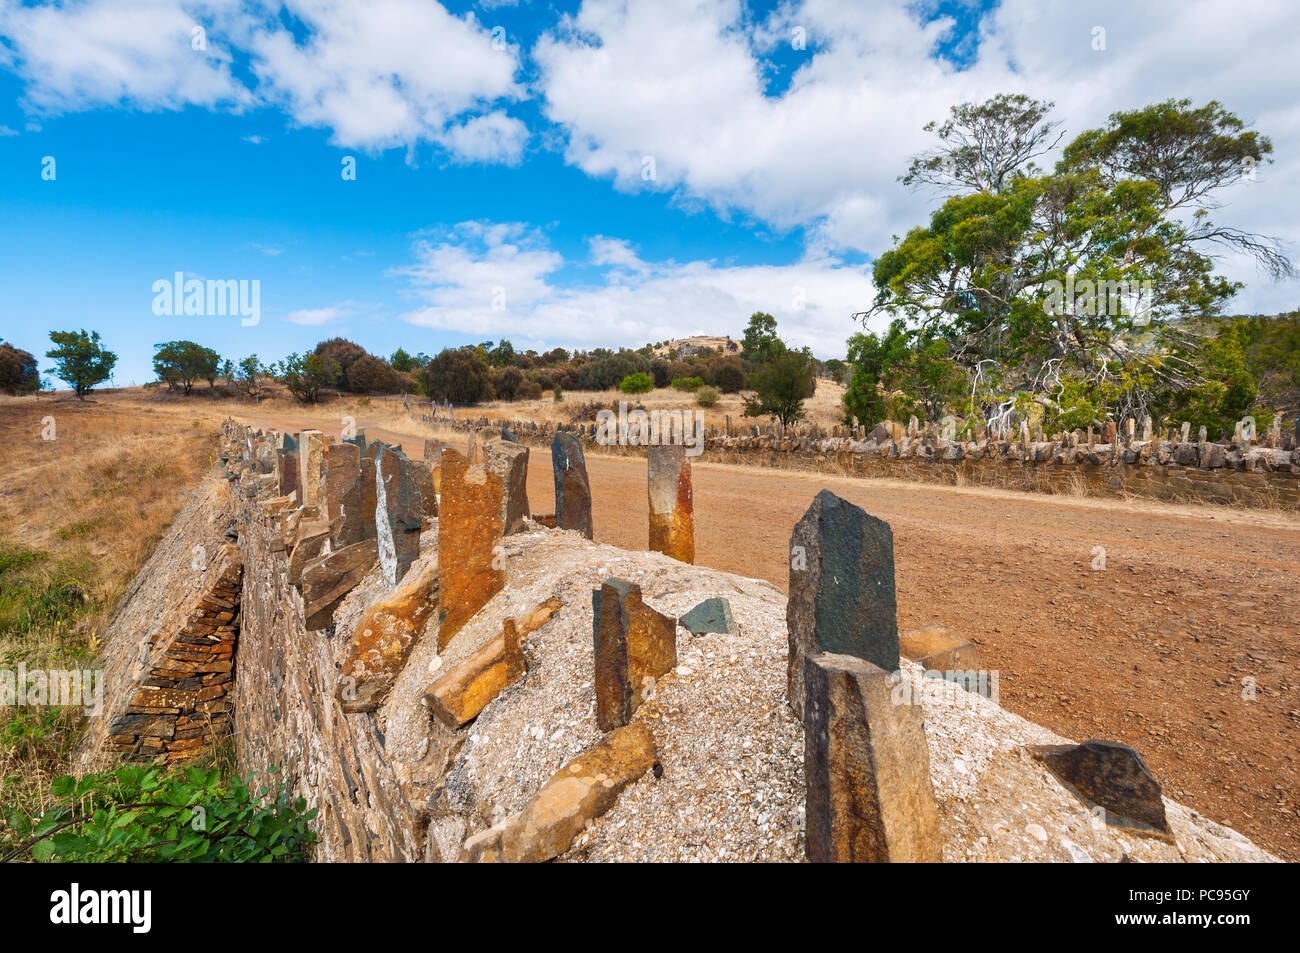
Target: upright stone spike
x,y
842,596
469,537
399,513
509,459
672,510
867,768
634,646
572,486
311,461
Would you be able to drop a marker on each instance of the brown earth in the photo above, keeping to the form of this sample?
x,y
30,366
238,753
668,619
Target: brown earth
x,y
1155,650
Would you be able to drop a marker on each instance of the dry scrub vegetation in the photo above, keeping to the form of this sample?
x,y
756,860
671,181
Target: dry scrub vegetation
x,y
79,514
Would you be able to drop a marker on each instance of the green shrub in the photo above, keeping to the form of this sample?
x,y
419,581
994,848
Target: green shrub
x,y
139,813
638,383
707,396
688,383
557,395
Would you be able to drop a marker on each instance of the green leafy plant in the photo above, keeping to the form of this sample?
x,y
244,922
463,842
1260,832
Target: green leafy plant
x,y
706,396
306,376
688,383
80,360
638,383
781,386
152,814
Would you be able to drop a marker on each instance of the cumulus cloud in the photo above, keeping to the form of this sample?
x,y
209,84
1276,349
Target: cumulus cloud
x,y
385,74
82,55
684,81
501,280
392,72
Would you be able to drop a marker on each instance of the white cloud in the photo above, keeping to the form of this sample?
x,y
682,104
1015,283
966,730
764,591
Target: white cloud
x,y
315,317
684,81
96,53
384,74
500,280
393,73
494,137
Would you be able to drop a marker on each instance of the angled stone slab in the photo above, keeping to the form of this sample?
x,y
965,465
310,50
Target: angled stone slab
x,y
572,486
469,537
576,795
328,578
510,461
634,646
711,615
382,642
935,647
461,693
842,597
672,509
867,768
1113,777
306,543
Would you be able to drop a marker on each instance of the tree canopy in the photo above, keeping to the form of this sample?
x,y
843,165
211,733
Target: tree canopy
x,y
1073,290
80,360
182,363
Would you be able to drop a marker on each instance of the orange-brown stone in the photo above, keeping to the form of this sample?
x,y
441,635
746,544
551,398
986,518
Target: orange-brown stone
x,y
576,795
460,694
672,509
469,538
382,642
635,645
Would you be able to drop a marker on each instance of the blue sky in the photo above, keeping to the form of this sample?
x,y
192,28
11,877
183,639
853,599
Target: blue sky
x,y
502,188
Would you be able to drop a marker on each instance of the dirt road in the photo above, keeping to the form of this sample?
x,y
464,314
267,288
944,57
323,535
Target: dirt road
x,y
1182,646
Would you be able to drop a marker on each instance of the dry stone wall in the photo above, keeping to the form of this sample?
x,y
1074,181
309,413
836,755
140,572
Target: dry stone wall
x,y
599,704
1180,465
169,651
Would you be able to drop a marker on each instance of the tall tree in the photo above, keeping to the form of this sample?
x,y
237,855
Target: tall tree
x,y
182,363
18,371
307,376
781,386
985,145
1075,289
80,360
760,340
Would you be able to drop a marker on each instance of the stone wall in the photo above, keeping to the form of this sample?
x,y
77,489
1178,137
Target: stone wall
x,y
287,712
169,651
1176,468
598,704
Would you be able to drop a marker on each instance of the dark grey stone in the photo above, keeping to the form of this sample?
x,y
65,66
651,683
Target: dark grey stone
x,y
572,486
1112,776
711,615
842,598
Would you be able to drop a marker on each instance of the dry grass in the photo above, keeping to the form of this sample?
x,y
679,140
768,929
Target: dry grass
x,y
79,514
824,408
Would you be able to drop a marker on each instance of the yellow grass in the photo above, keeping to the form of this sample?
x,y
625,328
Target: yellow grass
x,y
79,514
